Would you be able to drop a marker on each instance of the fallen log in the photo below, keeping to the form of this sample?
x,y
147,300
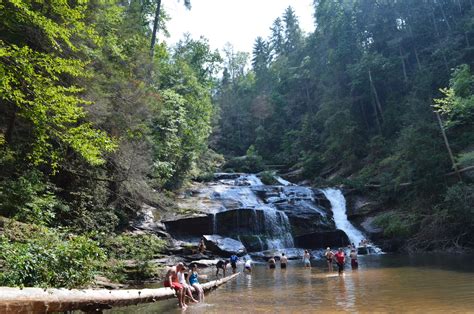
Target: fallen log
x,y
38,300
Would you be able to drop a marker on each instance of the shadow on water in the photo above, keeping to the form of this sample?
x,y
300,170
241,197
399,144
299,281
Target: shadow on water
x,y
444,261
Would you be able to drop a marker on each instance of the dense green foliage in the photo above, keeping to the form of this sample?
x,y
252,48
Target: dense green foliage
x,y
38,256
92,125
89,123
357,99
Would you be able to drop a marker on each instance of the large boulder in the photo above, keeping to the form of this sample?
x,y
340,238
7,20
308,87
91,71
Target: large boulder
x,y
317,240
306,218
224,246
190,226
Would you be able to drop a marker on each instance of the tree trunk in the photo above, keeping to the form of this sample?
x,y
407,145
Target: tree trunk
x,y
448,147
11,127
155,28
38,300
405,77
444,17
417,59
377,100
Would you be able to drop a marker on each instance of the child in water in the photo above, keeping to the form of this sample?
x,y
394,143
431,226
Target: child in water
x,y
306,259
353,256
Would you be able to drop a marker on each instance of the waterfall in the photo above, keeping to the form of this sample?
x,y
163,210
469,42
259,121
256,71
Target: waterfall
x,y
214,223
277,226
338,204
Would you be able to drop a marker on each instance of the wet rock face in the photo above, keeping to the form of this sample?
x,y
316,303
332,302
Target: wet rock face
x,y
319,240
190,226
224,246
304,219
258,217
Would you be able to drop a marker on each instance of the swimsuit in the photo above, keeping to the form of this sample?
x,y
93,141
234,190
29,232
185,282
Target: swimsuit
x,y
272,266
354,263
193,278
174,285
283,265
340,267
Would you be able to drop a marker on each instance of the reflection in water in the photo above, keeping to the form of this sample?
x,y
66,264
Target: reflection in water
x,y
384,283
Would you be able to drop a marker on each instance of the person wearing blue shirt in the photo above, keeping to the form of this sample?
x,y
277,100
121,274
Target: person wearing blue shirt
x,y
233,262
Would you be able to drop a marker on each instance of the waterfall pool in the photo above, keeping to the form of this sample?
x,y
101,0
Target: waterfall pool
x,y
383,283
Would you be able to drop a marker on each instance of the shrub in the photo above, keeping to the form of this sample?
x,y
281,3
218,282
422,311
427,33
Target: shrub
x,y
47,258
138,247
268,177
396,224
29,198
134,246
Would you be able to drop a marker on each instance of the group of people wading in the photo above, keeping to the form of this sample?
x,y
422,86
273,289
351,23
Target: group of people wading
x,y
340,258
185,281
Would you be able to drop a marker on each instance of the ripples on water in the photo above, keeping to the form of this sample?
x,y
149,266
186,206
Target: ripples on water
x,y
384,283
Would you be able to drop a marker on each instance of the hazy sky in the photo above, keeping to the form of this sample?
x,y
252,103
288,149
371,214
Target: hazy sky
x,y
236,21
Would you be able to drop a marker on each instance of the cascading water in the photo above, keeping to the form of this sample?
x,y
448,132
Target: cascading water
x,y
338,204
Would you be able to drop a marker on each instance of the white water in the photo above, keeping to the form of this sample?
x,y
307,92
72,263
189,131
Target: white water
x,y
276,227
338,204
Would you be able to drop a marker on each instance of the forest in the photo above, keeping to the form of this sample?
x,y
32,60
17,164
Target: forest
x,y
379,98
99,116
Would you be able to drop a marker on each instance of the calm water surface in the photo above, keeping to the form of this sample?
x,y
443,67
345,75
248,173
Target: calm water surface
x,y
384,283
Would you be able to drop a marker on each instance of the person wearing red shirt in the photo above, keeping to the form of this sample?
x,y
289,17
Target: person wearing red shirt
x,y
340,260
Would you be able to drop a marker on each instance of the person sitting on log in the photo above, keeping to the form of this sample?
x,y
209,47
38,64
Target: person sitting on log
x,y
171,281
187,288
194,282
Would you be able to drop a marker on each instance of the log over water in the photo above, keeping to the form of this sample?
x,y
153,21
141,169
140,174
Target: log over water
x,y
37,300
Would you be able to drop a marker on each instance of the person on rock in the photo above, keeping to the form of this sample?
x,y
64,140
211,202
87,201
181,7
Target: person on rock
x,y
233,262
329,258
340,260
271,263
354,262
306,259
171,281
194,282
187,288
202,246
283,261
221,264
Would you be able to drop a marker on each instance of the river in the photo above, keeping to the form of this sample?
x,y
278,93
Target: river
x,y
383,283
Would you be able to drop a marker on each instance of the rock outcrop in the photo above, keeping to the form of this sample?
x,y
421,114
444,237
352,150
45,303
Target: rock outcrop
x,y
224,246
318,240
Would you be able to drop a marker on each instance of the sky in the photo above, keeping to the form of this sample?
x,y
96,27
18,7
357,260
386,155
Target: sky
x,y
236,21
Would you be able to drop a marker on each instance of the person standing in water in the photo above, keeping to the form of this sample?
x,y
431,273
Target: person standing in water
x,y
221,264
233,262
272,263
306,259
340,260
248,265
283,261
354,262
329,257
